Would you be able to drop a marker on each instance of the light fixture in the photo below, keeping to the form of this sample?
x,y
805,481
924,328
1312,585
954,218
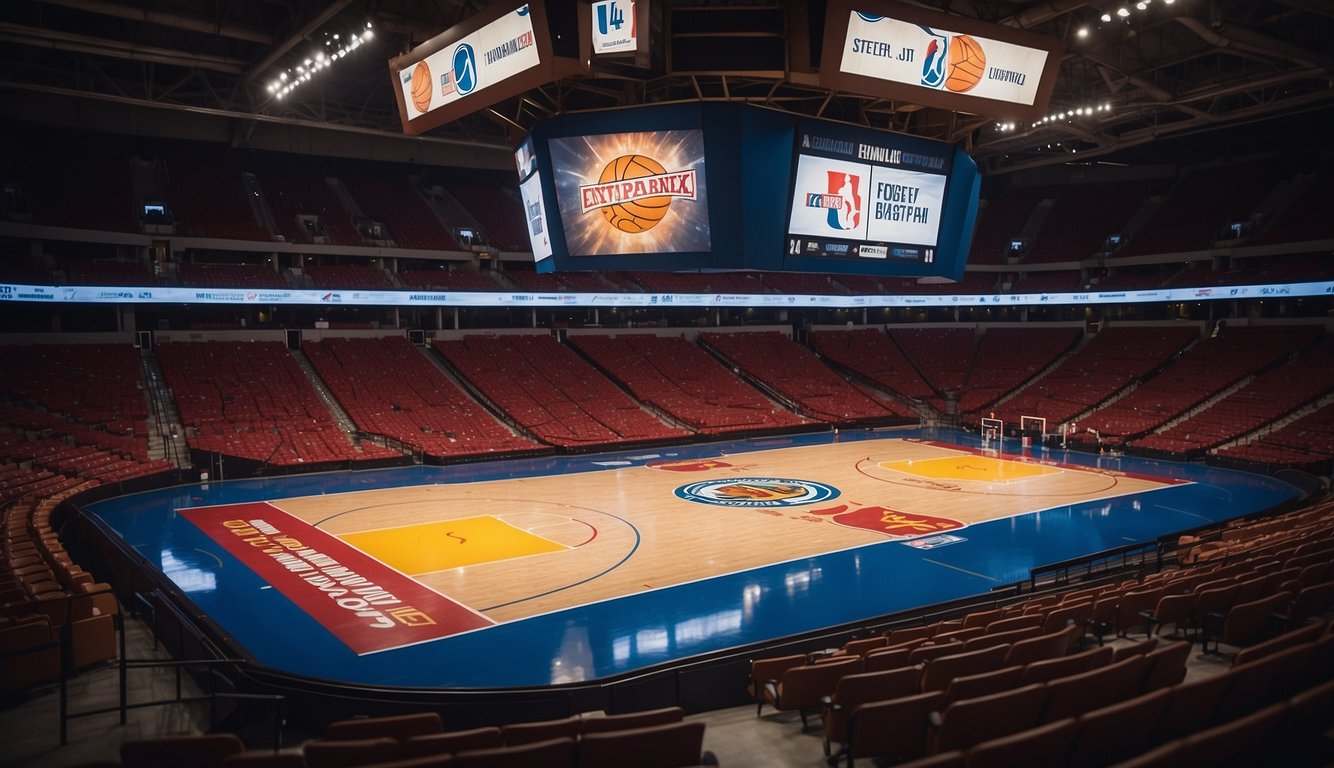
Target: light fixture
x,y
1106,17
338,46
1123,12
1082,33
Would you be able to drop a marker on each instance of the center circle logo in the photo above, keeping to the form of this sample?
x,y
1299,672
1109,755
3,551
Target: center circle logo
x,y
757,492
465,69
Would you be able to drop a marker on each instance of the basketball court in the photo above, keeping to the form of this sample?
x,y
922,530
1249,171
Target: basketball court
x,y
540,571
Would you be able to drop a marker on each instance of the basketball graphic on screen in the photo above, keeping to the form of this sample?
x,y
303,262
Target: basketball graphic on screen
x,y
966,64
639,215
421,86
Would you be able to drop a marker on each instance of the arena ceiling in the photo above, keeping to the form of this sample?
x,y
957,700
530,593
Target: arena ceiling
x,y
1156,69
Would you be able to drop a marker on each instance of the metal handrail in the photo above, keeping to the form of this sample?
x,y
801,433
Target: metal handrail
x,y
124,664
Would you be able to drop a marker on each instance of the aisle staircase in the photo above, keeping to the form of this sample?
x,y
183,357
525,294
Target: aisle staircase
x,y
166,434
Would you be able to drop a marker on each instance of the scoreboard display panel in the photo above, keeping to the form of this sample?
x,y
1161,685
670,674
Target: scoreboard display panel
x,y
729,186
632,193
866,195
534,207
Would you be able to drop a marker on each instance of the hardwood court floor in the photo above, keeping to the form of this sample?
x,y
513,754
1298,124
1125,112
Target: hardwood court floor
x,y
516,548
575,568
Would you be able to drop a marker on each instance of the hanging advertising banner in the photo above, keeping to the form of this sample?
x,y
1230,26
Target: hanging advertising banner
x,y
938,60
501,52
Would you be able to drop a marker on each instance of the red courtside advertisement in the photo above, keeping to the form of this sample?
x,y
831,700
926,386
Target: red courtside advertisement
x,y
361,601
632,192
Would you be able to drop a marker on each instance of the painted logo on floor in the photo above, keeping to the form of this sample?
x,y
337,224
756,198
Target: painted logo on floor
x,y
367,605
890,522
689,465
757,492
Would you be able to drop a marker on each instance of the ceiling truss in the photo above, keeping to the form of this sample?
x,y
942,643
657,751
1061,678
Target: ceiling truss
x,y
1172,69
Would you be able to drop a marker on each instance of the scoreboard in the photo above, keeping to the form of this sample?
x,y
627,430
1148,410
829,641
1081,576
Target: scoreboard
x,y
866,195
728,186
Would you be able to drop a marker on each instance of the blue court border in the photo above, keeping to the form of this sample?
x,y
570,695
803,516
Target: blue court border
x,y
639,631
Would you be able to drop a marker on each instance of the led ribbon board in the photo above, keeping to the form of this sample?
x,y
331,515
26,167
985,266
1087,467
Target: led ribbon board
x,y
937,60
123,295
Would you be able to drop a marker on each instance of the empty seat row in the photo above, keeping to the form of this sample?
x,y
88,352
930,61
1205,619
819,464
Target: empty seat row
x,y
1120,721
655,739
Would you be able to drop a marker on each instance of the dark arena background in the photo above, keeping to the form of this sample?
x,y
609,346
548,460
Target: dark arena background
x,y
666,383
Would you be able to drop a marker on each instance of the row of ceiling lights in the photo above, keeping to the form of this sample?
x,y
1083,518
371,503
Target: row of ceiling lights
x,y
1124,11
1120,14
336,47
1083,32
1066,116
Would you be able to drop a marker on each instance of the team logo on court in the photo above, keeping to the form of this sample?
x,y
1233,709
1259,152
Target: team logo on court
x,y
689,465
890,522
757,492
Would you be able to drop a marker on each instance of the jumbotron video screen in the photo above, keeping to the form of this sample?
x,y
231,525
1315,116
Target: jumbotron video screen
x,y
629,193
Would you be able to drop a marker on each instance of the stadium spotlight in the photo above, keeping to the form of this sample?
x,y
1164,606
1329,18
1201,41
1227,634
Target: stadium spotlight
x,y
1141,5
1106,17
1082,33
339,45
1123,12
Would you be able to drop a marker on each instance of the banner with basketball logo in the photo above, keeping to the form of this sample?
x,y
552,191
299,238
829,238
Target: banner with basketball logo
x,y
628,193
494,53
941,59
909,53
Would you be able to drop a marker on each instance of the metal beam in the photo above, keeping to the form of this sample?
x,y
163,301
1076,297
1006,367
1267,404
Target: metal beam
x,y
18,34
295,39
1235,37
1153,133
1318,7
1153,90
1042,12
49,90
169,19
